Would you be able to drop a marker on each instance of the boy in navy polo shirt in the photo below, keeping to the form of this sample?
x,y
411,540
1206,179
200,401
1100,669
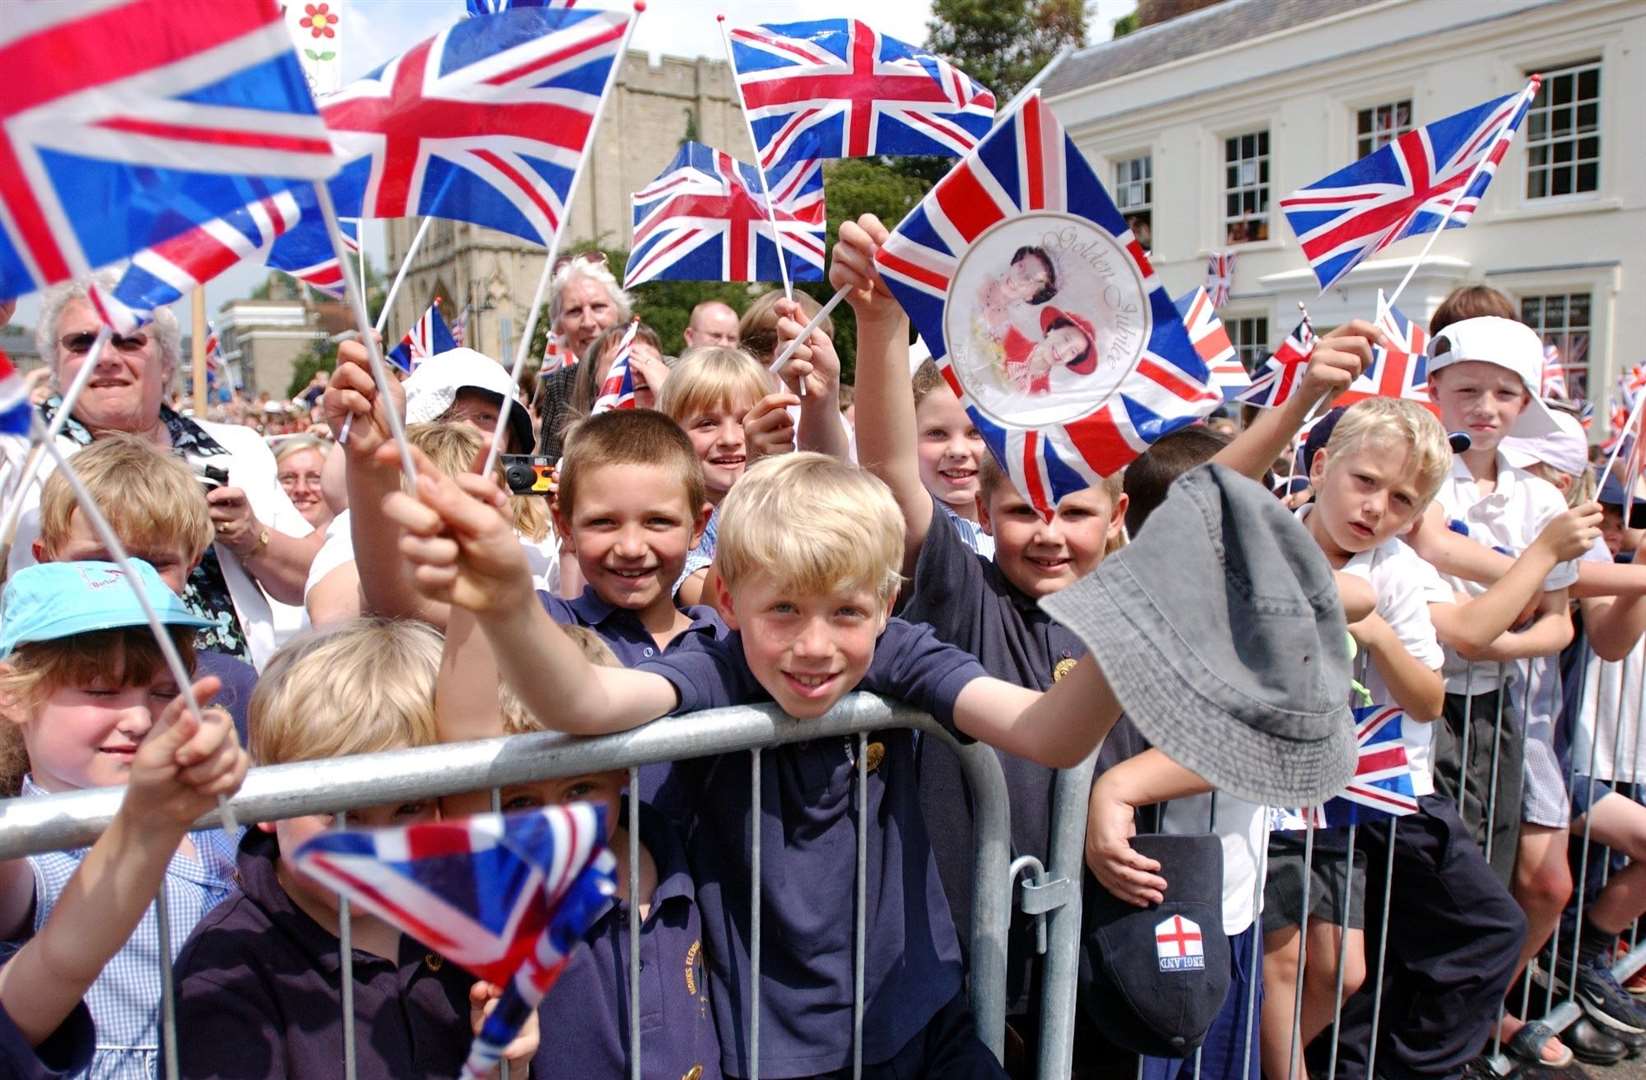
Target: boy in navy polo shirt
x,y
807,572
258,982
588,1008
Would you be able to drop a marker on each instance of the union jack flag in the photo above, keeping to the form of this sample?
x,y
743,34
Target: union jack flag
x,y
484,122
306,253
1554,374
15,410
617,392
1026,165
507,896
460,328
837,88
492,7
101,160
1282,374
1405,187
427,336
1382,785
1400,371
1211,341
704,219
1220,276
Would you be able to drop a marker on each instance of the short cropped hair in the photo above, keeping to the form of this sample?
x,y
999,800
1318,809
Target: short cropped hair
x,y
629,437
365,686
519,720
150,498
453,447
1389,421
757,332
297,444
593,270
1471,302
585,391
814,524
710,377
1148,478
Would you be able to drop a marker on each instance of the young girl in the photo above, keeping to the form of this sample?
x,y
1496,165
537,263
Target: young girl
x,y
950,453
81,682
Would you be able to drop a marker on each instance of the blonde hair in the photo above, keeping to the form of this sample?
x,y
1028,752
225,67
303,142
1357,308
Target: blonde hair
x,y
1395,420
366,685
709,377
813,523
757,330
628,437
150,498
452,448
299,443
927,379
517,719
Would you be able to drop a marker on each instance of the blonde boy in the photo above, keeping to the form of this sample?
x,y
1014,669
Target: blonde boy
x,y
158,510
807,563
258,980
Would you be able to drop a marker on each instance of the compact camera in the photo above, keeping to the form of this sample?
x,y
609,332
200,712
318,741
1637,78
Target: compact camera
x,y
529,474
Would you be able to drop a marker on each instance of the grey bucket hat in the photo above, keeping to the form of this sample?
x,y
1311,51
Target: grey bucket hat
x,y
1220,630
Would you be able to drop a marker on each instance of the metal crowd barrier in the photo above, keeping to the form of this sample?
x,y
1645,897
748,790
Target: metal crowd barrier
x,y
76,819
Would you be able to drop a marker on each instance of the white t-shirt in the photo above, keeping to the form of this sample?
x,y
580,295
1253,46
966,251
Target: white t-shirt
x,y
1404,584
1243,828
1507,520
1609,712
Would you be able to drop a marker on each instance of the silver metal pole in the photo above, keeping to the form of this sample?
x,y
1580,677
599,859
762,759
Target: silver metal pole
x,y
860,936
1061,967
345,975
1382,951
1342,950
168,993
754,914
1296,1041
635,900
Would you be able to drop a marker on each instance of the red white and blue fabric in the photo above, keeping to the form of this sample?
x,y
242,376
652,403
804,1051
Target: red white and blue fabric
x,y
220,381
705,219
1554,375
427,336
1399,371
126,123
492,7
460,328
1404,187
1028,165
15,410
617,392
1282,373
1211,341
837,88
484,122
306,252
1220,276
1382,784
507,896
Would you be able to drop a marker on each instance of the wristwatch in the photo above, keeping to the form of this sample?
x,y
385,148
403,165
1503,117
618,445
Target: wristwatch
x,y
262,542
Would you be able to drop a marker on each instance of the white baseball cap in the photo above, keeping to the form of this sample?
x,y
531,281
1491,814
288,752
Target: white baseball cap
x,y
431,389
1565,450
1508,344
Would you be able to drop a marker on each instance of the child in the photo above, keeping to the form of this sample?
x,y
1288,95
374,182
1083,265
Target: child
x,y
807,564
712,394
158,510
177,773
951,454
588,1007
82,683
257,983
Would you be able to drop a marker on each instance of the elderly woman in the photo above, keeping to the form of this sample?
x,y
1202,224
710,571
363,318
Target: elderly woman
x,y
586,301
299,462
263,546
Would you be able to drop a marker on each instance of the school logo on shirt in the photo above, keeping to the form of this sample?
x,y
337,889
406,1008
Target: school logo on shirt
x,y
1062,668
694,956
1177,944
875,754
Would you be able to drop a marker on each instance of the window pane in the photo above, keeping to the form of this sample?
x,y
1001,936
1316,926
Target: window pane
x,y
1363,124
1588,177
1588,83
1588,116
1562,89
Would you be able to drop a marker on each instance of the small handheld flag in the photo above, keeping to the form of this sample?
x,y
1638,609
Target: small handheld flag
x,y
507,896
617,392
1280,377
1220,276
427,336
1211,341
15,408
1382,785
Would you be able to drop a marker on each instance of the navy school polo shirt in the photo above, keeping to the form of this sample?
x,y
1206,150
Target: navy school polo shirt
x,y
239,680
621,628
970,604
584,1019
808,855
66,1051
259,994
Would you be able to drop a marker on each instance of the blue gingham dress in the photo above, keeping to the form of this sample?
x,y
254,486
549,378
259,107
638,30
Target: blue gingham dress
x,y
125,999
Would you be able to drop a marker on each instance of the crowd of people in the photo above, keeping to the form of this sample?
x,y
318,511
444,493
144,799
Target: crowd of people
x,y
1197,621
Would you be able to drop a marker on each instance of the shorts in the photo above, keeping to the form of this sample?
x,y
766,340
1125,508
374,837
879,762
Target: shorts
x,y
1337,888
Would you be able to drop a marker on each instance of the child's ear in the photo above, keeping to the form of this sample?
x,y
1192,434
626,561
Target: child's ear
x,y
1317,468
983,521
723,601
39,549
562,529
704,512
1117,516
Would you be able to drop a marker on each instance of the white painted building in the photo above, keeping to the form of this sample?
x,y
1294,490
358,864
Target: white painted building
x,y
1201,124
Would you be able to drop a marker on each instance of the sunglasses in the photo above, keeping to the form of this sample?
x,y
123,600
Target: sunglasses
x,y
80,344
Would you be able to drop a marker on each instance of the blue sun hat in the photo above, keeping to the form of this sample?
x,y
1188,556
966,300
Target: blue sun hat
x,y
49,601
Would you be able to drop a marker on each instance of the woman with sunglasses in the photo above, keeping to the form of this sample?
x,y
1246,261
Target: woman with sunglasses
x,y
260,558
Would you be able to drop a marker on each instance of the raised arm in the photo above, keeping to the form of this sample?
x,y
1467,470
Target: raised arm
x,y
821,428
1057,728
464,553
1337,360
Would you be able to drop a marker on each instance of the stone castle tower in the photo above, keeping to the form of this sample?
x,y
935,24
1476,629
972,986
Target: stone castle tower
x,y
653,108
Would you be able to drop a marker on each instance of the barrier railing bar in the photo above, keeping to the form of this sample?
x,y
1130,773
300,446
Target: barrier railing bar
x,y
1491,791
1295,1046
634,923
345,960
1382,949
860,931
1565,1014
1342,950
756,820
497,808
168,997
1060,926
1257,955
1583,861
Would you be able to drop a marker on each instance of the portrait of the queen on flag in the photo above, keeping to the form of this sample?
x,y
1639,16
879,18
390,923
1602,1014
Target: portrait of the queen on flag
x,y
1043,312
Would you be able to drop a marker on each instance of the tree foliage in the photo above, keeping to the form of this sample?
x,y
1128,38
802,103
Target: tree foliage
x,y
1004,43
323,357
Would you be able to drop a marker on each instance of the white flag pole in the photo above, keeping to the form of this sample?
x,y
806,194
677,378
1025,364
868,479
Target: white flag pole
x,y
759,167
117,555
806,332
31,464
1451,207
525,345
354,288
400,275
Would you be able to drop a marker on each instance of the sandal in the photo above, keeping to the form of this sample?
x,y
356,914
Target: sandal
x,y
1528,1043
